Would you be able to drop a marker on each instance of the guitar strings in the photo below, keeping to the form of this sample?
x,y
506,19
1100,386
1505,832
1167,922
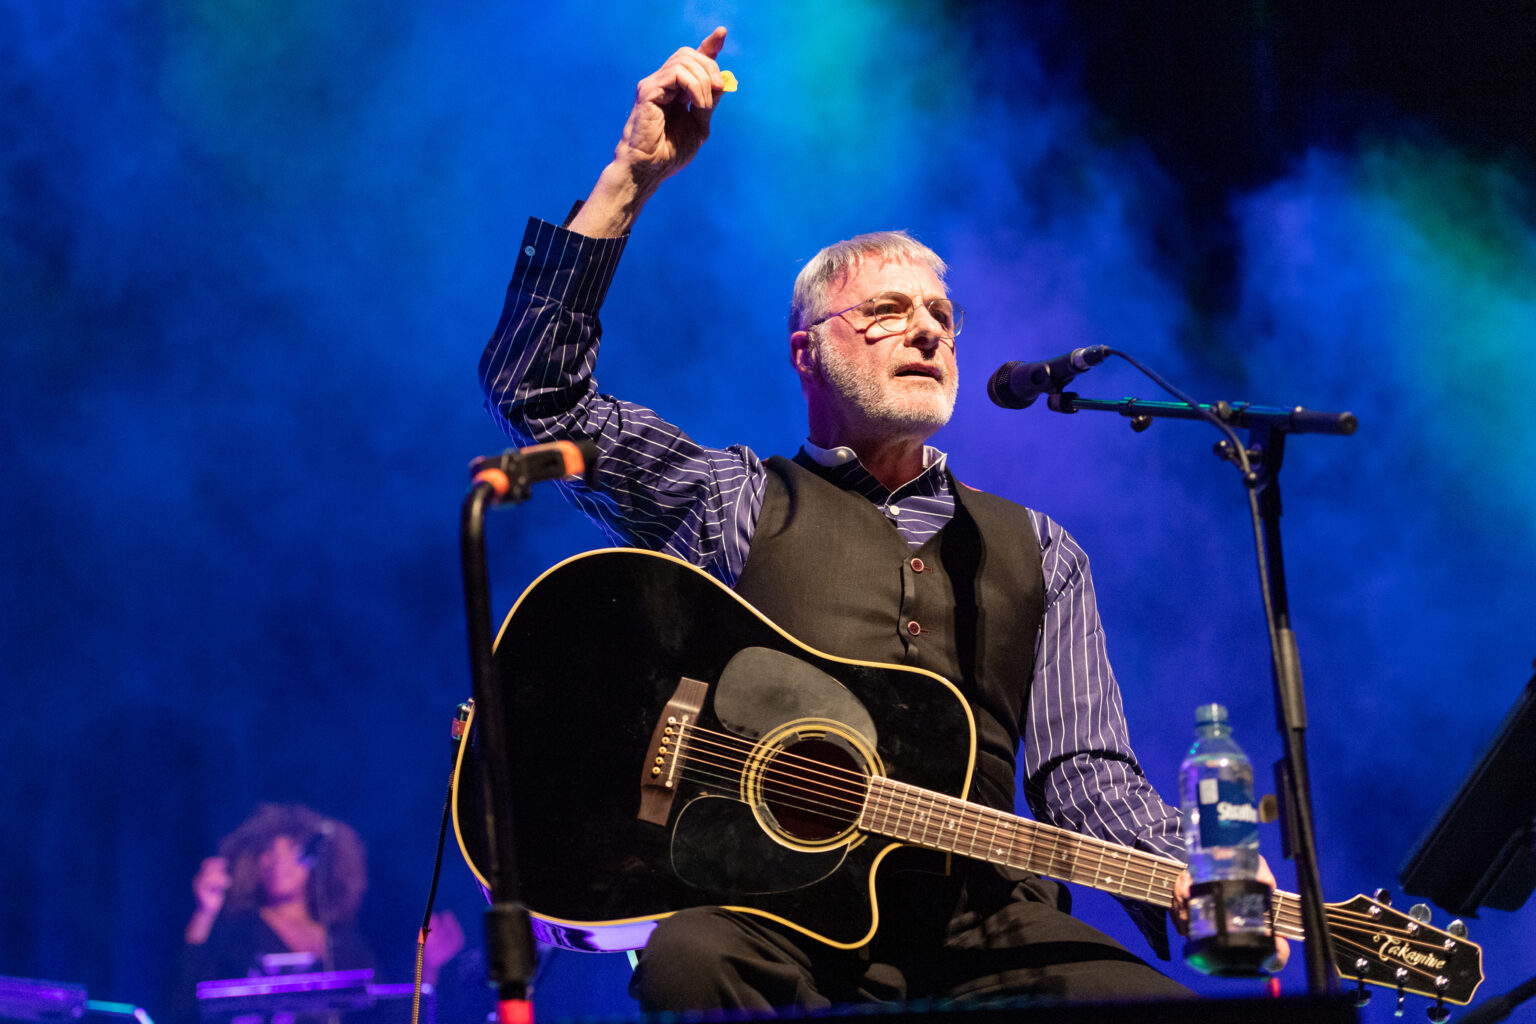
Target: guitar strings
x,y
840,795
1287,916
1134,869
1287,912
848,798
821,770
976,825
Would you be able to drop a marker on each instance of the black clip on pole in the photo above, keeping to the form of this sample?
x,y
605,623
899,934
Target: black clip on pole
x,y
1260,463
501,480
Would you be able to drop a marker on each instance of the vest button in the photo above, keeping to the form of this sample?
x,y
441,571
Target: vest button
x,y
914,628
917,565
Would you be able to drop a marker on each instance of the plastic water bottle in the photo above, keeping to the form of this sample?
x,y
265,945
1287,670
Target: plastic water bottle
x,y
1229,927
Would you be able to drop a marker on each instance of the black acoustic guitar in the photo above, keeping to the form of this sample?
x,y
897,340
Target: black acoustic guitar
x,y
670,747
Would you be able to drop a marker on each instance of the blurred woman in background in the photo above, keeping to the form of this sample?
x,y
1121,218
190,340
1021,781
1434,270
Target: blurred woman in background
x,y
287,881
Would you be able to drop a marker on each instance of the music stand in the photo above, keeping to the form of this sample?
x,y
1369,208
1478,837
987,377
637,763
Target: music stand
x,y
1481,850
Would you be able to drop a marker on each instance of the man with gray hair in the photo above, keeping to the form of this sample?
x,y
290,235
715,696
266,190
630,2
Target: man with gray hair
x,y
863,546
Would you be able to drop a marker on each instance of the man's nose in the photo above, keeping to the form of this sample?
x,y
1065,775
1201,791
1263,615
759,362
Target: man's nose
x,y
925,332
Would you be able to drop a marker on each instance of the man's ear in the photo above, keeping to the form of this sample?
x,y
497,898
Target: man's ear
x,y
802,354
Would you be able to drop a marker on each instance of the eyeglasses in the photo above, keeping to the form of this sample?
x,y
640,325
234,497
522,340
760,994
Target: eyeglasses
x,y
892,313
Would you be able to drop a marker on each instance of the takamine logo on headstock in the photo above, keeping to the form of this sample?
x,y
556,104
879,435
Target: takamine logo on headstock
x,y
1376,945
1392,948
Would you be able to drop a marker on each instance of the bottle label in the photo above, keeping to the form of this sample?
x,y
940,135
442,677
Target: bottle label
x,y
1227,814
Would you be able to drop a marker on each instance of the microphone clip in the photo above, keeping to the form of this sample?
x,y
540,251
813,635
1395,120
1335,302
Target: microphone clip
x,y
1016,385
511,475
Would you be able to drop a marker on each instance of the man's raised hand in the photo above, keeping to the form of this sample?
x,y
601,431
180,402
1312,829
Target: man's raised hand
x,y
666,127
673,105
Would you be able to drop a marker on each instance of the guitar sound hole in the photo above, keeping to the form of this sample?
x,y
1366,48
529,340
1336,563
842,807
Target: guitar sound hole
x,y
814,789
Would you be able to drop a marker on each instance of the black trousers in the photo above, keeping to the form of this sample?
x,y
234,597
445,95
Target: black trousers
x,y
978,934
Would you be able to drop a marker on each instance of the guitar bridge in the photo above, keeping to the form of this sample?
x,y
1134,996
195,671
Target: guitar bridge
x,y
663,762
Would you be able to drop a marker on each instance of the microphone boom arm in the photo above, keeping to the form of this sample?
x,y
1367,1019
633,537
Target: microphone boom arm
x,y
1242,415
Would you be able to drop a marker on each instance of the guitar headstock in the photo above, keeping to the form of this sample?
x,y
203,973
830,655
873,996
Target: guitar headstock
x,y
1376,945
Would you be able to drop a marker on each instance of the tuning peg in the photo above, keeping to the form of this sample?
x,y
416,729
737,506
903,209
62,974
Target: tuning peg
x,y
1383,897
1362,994
1438,1012
1402,979
1457,928
1420,914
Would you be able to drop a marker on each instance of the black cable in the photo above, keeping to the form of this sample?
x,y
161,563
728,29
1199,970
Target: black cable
x,y
437,870
1239,450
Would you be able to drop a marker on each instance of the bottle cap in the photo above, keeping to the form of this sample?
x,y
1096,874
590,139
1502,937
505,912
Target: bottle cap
x,y
1207,714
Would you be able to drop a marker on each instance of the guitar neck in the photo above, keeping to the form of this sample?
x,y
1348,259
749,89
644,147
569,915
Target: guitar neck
x,y
933,821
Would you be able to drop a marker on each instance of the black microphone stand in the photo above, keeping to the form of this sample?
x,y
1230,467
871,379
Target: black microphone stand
x,y
1260,462
511,951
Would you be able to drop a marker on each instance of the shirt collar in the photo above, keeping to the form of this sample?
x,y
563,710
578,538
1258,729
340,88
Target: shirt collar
x,y
831,458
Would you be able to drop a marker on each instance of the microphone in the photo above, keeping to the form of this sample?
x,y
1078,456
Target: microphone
x,y
315,845
517,468
1016,385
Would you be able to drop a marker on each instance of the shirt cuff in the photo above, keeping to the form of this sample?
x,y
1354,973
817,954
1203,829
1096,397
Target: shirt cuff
x,y
572,269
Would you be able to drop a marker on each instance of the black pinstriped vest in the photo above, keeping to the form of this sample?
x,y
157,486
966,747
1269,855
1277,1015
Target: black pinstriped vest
x,y
827,566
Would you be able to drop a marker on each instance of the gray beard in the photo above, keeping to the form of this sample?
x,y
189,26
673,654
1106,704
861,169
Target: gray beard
x,y
902,413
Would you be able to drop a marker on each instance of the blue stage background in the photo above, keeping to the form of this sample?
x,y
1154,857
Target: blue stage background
x,y
250,254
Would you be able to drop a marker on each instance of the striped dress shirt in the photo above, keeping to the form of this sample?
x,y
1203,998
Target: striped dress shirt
x,y
658,489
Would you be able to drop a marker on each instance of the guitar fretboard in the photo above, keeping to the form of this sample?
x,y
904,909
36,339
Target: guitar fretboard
x,y
951,825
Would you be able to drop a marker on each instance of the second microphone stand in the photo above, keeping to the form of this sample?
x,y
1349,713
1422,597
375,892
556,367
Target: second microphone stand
x,y
1260,462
